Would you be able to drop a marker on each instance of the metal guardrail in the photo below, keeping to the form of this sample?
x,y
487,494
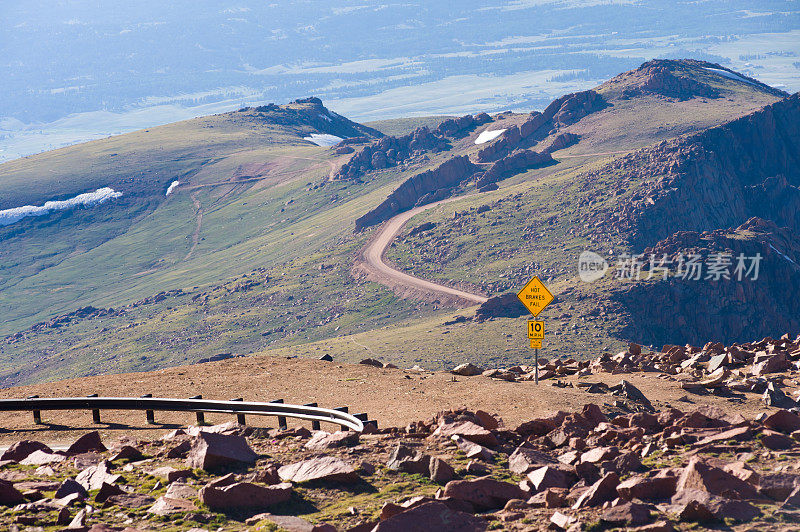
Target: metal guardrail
x,y
197,404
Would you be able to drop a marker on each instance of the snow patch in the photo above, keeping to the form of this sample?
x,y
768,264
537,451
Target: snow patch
x,y
486,136
172,187
101,195
729,75
325,117
323,139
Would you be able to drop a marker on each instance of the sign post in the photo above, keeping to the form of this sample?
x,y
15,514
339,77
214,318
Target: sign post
x,y
535,296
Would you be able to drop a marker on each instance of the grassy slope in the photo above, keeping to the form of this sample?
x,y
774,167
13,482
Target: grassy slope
x,y
281,229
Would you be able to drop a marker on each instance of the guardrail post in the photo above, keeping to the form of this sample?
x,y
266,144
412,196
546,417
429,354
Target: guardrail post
x,y
345,410
281,419
37,414
149,414
240,419
95,412
201,417
314,422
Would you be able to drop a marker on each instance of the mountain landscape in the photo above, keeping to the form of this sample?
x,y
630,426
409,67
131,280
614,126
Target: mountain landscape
x,y
261,244
285,250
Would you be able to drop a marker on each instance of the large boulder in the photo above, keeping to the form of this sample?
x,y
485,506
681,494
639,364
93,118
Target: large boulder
x,y
484,493
700,476
89,442
525,459
210,451
93,478
22,449
323,468
245,495
430,516
9,495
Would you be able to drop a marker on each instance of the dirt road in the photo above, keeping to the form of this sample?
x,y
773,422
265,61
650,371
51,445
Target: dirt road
x,y
407,285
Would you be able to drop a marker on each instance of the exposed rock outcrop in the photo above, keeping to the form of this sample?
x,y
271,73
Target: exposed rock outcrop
x,y
391,151
420,189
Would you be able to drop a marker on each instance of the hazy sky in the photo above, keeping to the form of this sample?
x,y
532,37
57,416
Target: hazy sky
x,y
79,69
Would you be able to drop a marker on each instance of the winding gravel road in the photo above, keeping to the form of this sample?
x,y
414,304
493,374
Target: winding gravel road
x,y
378,271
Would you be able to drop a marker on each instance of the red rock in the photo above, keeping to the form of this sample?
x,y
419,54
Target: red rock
x,y
776,441
483,493
601,491
170,474
87,443
9,495
22,449
42,458
736,433
430,516
69,487
698,475
167,505
551,477
647,422
473,450
593,414
525,459
561,521
127,452
290,523
628,514
742,471
549,498
211,450
589,472
180,490
226,480
694,511
599,454
653,488
541,426
324,468
793,499
778,486
92,478
440,471
487,420
695,505
130,500
781,421
245,495
322,440
771,364
468,430
106,491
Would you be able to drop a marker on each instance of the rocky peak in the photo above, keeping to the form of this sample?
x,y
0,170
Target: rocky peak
x,y
682,80
309,115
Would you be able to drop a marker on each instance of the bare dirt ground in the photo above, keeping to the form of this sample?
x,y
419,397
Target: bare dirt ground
x,y
372,263
393,397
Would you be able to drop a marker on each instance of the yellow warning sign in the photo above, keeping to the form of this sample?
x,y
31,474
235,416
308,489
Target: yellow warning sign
x,y
535,296
536,344
536,329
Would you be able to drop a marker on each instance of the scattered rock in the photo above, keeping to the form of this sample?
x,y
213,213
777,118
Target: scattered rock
x,y
245,495
210,451
328,468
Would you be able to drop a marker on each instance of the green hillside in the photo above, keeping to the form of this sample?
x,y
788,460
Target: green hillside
x,y
253,251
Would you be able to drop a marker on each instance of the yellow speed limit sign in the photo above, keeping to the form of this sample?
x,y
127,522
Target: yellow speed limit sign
x,y
536,329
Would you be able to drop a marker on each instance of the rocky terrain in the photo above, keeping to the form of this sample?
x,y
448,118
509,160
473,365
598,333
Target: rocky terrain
x,y
629,463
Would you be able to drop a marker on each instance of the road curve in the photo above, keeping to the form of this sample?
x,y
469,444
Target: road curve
x,y
378,271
